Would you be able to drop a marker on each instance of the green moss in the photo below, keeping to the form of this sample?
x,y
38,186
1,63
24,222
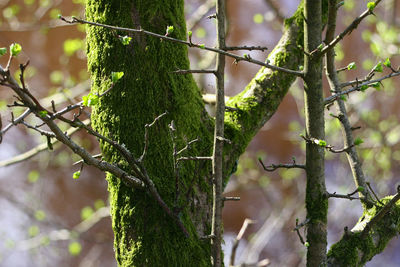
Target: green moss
x,y
352,250
297,17
144,234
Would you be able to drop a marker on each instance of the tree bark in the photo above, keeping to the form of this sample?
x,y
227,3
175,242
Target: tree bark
x,y
144,234
316,200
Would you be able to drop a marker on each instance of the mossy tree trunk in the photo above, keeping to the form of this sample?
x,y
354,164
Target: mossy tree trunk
x,y
144,234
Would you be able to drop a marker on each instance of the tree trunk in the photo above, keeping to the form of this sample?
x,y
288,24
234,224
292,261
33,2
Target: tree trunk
x,y
144,234
316,200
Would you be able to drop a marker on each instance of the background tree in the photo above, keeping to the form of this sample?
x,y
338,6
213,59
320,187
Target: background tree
x,y
248,114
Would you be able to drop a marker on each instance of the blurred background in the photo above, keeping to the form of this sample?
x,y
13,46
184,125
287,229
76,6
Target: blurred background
x,y
49,219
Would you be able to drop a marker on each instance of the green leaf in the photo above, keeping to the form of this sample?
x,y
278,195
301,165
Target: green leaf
x,y
3,51
170,29
15,49
371,6
29,2
76,175
33,176
360,189
56,77
258,18
33,231
358,141
43,113
99,203
343,97
11,11
320,47
378,67
74,248
202,46
352,66
201,32
86,212
71,46
363,88
125,40
190,33
115,76
306,244
9,243
45,241
376,85
322,143
40,215
387,63
90,100
54,13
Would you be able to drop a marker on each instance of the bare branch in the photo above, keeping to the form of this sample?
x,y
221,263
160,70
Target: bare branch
x,y
146,137
250,48
348,196
36,150
200,13
239,237
190,44
219,140
274,167
193,71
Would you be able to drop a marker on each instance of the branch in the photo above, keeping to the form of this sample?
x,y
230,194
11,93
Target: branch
x,y
369,236
250,48
332,42
255,105
352,155
199,14
190,44
348,196
239,237
194,71
219,139
358,87
380,214
274,167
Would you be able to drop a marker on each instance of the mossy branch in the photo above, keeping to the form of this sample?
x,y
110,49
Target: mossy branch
x,y
369,236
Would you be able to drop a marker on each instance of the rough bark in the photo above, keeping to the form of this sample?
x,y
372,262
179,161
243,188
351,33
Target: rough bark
x,y
144,234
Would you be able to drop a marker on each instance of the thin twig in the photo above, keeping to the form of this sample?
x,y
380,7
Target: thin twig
x,y
348,30
217,158
190,44
193,158
146,137
250,48
373,192
193,71
274,167
239,237
348,196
